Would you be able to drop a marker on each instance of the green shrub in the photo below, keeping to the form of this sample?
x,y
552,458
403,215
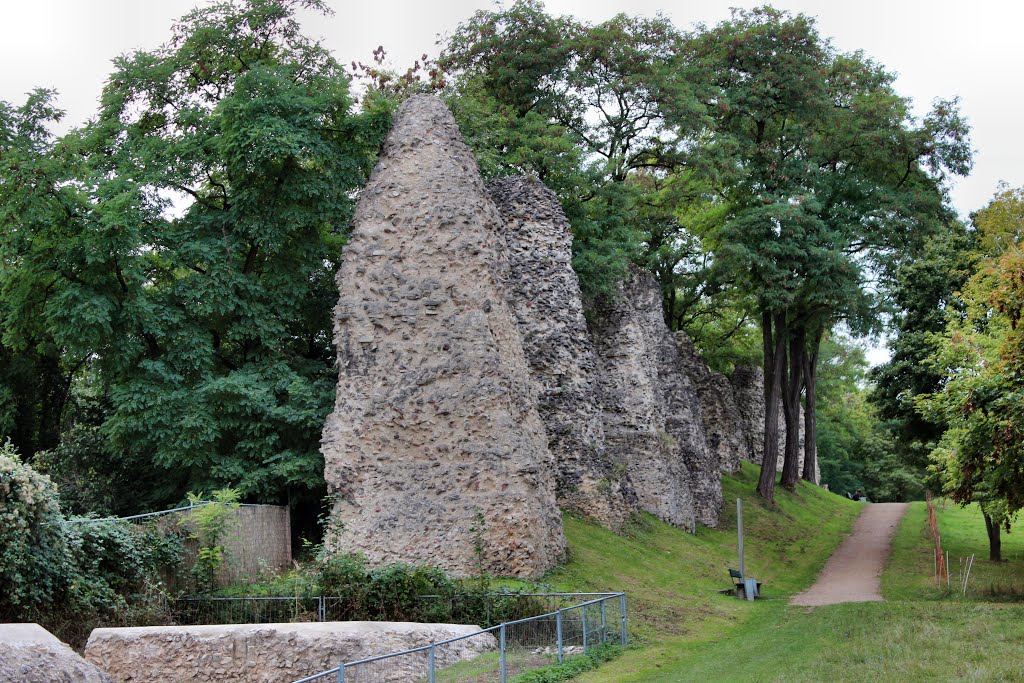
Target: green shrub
x,y
208,524
572,666
34,561
71,572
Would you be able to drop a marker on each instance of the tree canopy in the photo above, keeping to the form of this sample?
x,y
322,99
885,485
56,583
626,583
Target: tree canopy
x,y
167,270
181,247
980,355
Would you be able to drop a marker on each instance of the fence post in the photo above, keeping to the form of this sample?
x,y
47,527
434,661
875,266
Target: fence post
x,y
341,673
604,621
430,662
558,629
584,610
322,608
622,607
504,671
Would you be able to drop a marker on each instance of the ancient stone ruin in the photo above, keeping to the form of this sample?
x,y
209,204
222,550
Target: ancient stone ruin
x,y
748,390
723,423
31,654
474,398
544,292
435,451
652,414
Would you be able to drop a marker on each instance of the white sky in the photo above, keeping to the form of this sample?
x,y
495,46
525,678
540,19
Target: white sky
x,y
939,48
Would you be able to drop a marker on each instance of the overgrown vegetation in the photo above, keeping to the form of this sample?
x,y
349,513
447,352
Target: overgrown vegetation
x,y
572,666
70,574
208,525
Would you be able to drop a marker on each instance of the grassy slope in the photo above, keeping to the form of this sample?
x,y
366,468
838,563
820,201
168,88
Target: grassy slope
x,y
690,633
672,578
686,631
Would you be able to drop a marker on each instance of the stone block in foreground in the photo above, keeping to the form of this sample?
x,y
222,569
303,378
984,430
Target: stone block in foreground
x,y
31,654
272,653
435,452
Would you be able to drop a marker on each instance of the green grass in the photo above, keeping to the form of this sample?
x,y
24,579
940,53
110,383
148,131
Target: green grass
x,y
685,631
910,575
672,578
865,642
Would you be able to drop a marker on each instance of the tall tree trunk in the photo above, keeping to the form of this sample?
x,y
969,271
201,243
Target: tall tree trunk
x,y
995,543
791,408
810,362
774,365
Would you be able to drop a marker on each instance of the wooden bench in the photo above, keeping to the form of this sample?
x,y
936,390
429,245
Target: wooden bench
x,y
737,579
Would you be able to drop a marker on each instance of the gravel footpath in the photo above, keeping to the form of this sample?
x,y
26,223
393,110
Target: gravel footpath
x,y
854,571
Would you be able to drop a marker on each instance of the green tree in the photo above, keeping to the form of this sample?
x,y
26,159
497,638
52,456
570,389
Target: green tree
x,y
586,108
204,211
40,209
855,446
923,293
981,356
814,212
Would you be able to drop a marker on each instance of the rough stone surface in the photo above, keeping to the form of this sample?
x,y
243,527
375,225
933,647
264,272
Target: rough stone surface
x,y
723,424
748,389
544,292
273,653
435,448
652,413
31,654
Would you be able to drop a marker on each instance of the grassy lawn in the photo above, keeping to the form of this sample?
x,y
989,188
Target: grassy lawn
x,y
673,578
927,641
909,575
685,631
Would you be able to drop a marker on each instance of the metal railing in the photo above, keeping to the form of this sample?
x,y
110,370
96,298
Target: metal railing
x,y
469,607
148,515
499,652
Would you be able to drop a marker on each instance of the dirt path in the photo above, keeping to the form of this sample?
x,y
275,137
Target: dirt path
x,y
854,571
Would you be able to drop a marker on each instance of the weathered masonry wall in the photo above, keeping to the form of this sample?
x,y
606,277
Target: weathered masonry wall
x,y
435,450
724,428
31,654
271,653
544,293
651,410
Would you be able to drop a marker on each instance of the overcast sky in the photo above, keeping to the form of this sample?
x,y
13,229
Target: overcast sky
x,y
939,48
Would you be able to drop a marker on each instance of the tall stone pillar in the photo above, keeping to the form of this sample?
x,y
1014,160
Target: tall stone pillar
x,y
435,452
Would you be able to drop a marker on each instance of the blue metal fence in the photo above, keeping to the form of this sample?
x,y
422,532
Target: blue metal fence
x,y
499,652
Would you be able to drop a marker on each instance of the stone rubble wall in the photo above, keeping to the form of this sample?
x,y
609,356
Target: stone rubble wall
x,y
473,397
274,653
652,413
723,424
435,451
748,389
544,292
31,654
